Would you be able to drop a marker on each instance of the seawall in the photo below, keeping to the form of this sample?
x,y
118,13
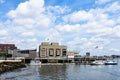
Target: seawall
x,y
10,65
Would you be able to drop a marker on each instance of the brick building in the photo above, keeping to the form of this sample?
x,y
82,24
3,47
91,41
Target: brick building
x,y
6,47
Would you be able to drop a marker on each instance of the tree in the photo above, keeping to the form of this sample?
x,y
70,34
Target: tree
x,y
4,54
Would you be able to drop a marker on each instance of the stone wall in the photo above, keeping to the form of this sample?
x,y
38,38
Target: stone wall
x,y
9,66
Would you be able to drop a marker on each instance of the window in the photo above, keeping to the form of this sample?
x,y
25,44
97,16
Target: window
x,y
51,52
64,52
24,52
57,52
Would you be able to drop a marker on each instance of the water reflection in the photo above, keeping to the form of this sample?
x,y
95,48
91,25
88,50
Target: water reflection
x,y
64,72
53,72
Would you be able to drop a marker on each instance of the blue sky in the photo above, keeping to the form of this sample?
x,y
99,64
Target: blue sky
x,y
80,24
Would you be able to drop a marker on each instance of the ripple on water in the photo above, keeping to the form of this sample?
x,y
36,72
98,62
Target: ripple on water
x,y
64,72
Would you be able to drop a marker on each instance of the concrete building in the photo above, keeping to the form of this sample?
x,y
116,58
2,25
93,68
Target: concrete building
x,y
27,54
71,55
52,51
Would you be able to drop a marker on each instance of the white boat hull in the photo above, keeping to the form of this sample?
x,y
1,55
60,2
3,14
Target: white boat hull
x,y
110,63
35,63
97,63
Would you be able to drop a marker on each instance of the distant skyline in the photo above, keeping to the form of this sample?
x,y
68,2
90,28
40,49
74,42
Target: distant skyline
x,y
82,25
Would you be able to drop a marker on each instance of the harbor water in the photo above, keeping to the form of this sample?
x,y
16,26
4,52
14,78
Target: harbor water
x,y
64,72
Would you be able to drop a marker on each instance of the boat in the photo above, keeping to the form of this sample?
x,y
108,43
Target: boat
x,y
35,62
97,63
110,62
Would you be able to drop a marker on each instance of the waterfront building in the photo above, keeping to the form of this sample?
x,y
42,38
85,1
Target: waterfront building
x,y
4,50
6,47
87,59
52,51
71,55
84,59
27,54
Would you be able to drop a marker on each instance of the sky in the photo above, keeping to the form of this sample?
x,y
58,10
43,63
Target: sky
x,y
83,25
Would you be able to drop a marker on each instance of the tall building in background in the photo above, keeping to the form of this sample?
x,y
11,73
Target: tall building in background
x,y
53,50
6,47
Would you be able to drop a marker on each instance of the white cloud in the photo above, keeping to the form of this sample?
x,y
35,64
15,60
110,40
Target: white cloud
x,y
58,9
77,43
43,21
32,22
1,24
116,31
113,7
68,28
99,41
29,8
30,13
3,33
23,43
97,21
78,16
96,30
23,21
51,35
102,1
2,1
27,34
89,45
114,50
27,20
31,40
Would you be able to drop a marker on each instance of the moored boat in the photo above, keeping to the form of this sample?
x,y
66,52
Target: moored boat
x,y
35,62
111,63
97,63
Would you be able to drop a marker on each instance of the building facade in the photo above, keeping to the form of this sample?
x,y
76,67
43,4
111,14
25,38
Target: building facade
x,y
52,50
71,55
6,47
27,54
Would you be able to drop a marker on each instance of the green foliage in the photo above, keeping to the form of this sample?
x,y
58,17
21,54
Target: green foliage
x,y
3,53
